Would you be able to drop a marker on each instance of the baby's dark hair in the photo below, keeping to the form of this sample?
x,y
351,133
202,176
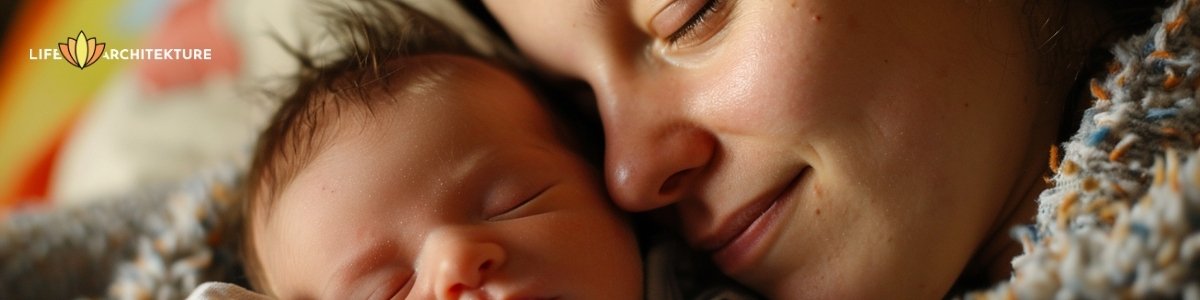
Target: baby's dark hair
x,y
371,36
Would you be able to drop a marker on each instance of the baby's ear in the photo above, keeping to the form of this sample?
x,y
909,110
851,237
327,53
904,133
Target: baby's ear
x,y
221,290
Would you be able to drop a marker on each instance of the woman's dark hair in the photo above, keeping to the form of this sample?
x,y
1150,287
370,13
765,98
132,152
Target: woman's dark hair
x,y
1075,37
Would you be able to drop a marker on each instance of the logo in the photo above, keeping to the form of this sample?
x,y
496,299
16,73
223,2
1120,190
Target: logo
x,y
81,51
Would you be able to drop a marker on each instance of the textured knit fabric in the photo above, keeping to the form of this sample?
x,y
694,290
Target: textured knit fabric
x,y
1121,219
157,243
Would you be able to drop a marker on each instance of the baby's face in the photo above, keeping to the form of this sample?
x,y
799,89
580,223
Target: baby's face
x,y
460,190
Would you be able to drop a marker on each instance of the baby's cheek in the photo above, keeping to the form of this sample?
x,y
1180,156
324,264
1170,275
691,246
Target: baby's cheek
x,y
592,229
605,244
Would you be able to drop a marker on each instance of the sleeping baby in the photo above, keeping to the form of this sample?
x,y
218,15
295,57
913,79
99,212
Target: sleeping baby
x,y
415,168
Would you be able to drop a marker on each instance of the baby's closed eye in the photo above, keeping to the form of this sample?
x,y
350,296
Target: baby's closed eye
x,y
509,206
395,285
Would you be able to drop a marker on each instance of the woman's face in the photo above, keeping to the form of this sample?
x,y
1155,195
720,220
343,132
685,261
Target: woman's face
x,y
813,147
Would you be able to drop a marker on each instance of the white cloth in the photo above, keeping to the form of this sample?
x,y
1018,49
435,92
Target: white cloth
x,y
221,290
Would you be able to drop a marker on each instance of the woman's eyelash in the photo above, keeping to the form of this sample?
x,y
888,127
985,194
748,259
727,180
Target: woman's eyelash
x,y
696,20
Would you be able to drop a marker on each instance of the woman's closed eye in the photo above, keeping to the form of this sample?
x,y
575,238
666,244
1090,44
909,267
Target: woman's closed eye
x,y
705,14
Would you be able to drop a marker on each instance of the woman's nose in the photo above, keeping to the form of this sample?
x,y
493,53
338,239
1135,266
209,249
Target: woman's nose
x,y
454,266
652,164
646,172
655,154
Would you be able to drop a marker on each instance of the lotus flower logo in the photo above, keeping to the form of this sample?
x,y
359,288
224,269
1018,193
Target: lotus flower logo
x,y
81,51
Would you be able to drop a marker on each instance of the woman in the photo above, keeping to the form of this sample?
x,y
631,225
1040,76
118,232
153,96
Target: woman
x,y
828,149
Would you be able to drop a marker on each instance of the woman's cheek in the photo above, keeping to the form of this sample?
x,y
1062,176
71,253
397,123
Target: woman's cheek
x,y
743,93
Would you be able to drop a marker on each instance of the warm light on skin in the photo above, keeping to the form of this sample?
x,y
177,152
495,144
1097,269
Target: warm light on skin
x,y
922,125
427,186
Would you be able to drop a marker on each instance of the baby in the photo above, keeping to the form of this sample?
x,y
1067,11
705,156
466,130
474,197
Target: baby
x,y
415,168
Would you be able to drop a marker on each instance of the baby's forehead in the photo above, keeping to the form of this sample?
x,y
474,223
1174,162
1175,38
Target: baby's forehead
x,y
427,70
436,94
438,77
422,101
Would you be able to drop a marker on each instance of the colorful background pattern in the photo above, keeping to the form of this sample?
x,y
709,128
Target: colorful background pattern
x,y
42,101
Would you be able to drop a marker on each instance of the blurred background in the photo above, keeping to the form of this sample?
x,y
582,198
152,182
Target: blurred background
x,y
69,134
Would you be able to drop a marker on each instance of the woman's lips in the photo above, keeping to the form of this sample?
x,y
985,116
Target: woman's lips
x,y
734,245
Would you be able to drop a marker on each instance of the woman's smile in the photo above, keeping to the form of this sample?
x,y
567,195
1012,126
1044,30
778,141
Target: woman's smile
x,y
746,235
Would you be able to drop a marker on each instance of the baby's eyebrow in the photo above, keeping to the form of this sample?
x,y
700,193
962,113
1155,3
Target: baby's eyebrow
x,y
599,7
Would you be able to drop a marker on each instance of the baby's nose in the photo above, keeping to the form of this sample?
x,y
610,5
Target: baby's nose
x,y
456,266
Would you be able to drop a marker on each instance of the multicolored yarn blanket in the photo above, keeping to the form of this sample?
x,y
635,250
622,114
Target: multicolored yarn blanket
x,y
1123,217
158,243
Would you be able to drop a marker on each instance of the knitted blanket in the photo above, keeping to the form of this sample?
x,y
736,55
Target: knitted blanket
x,y
156,243
1123,215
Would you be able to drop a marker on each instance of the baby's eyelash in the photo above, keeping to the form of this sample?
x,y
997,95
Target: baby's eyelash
x,y
696,20
501,215
405,287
